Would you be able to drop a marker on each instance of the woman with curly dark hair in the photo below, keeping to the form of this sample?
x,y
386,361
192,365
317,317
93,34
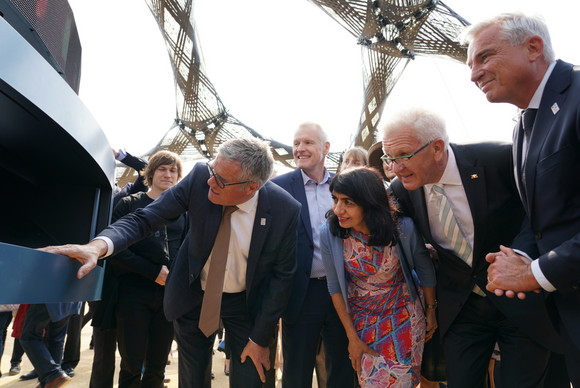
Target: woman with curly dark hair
x,y
378,272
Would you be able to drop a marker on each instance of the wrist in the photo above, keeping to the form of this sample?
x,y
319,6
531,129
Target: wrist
x,y
431,306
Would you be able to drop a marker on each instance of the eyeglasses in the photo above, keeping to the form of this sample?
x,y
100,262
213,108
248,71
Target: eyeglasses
x,y
219,181
402,160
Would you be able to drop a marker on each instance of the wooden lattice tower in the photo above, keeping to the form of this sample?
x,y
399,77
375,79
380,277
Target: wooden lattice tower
x,y
390,33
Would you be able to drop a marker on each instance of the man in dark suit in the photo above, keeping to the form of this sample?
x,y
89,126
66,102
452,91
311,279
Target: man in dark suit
x,y
516,50
310,312
261,258
482,212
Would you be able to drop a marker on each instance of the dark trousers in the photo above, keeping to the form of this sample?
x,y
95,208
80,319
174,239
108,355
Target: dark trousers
x,y
72,345
45,355
299,341
5,319
17,353
105,346
144,335
469,343
195,349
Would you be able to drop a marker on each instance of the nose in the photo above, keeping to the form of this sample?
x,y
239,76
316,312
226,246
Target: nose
x,y
397,167
475,74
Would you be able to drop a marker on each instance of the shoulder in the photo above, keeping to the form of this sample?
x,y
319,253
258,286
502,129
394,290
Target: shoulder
x,y
490,152
286,178
278,194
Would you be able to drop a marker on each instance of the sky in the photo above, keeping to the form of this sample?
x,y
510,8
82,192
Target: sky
x,y
276,64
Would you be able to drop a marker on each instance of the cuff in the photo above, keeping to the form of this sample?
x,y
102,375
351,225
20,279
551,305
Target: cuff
x,y
110,246
540,278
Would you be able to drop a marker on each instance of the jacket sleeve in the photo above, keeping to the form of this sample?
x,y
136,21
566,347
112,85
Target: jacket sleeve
x,y
329,260
419,254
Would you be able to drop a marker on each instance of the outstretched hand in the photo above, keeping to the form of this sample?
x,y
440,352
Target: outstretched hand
x,y
510,274
87,254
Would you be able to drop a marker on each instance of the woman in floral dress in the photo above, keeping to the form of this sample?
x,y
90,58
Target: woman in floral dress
x,y
379,272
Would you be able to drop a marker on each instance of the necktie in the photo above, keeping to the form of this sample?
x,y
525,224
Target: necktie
x,y
527,121
209,317
450,227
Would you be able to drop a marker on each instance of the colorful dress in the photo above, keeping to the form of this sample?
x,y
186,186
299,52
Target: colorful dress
x,y
383,314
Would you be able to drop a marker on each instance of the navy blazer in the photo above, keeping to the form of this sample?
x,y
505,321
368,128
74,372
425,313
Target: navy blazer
x,y
486,174
293,183
271,258
552,170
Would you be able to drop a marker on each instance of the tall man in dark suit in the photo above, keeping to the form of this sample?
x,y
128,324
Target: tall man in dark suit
x,y
469,187
310,312
260,266
512,60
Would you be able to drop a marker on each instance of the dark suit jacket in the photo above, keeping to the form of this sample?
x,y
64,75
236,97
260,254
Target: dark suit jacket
x,y
552,172
293,183
271,258
485,170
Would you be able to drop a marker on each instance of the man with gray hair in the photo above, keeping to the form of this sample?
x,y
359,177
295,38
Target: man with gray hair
x,y
464,202
237,262
512,60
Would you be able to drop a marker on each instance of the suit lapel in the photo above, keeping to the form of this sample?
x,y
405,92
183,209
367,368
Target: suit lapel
x,y
298,192
473,179
553,96
262,223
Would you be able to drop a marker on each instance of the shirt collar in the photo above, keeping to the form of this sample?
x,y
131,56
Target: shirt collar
x,y
537,97
306,179
251,204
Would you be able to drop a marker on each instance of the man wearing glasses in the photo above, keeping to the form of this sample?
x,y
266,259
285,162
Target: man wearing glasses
x,y
464,201
260,265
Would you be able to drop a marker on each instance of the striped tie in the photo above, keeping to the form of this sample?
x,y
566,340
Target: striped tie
x,y
451,230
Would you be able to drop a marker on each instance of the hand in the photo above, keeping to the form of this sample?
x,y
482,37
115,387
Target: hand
x,y
356,349
87,254
432,252
162,277
431,324
510,274
260,356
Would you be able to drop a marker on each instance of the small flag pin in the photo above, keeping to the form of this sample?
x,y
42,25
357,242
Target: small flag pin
x,y
262,221
474,176
555,108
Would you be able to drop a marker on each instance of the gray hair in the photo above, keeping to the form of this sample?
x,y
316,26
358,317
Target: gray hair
x,y
515,28
426,125
321,132
253,155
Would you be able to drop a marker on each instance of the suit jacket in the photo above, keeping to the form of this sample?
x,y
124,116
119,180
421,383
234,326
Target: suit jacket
x,y
485,170
552,170
293,183
271,258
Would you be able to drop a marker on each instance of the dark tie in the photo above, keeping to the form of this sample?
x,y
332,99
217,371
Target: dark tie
x,y
527,122
528,118
209,317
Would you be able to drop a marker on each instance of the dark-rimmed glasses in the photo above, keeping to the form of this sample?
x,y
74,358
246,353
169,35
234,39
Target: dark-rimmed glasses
x,y
402,160
218,179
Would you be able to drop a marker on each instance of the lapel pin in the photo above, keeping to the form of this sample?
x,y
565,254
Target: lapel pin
x,y
262,221
474,176
555,108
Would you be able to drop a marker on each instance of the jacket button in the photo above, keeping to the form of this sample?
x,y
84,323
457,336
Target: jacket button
x,y
538,235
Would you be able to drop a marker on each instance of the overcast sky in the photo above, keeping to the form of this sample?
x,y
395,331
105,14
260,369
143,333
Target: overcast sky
x,y
276,64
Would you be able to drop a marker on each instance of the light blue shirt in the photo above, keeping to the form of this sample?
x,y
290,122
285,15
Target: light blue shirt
x,y
319,202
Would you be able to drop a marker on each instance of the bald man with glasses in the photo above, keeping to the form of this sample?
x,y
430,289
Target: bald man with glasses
x,y
464,201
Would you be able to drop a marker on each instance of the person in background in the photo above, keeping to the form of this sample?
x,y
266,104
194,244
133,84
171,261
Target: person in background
x,y
144,335
376,161
310,313
512,60
370,258
5,319
354,157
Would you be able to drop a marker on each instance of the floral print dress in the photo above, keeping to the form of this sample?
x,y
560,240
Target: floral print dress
x,y
383,314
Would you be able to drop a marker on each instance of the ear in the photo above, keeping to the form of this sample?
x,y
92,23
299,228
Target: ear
x,y
438,148
534,48
251,188
326,148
